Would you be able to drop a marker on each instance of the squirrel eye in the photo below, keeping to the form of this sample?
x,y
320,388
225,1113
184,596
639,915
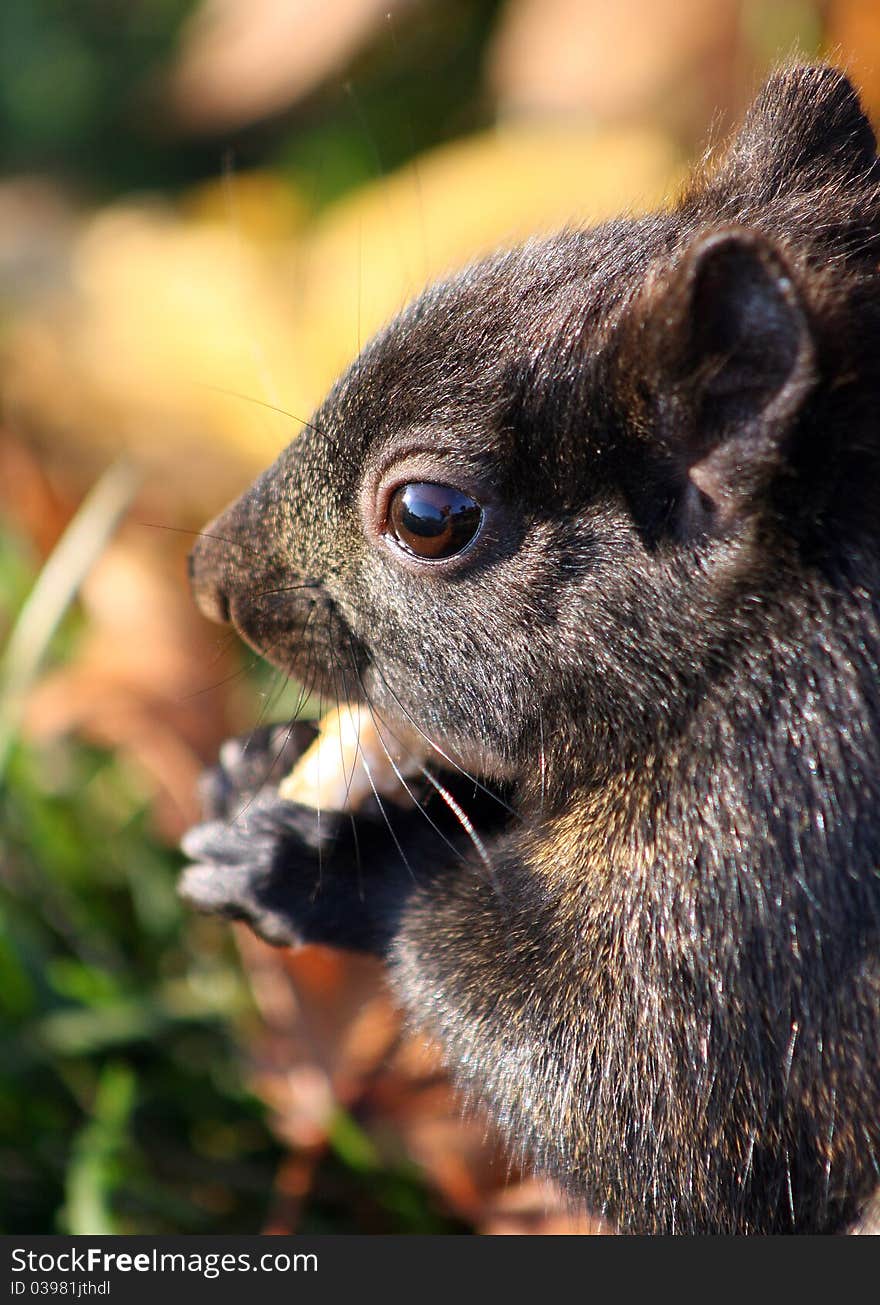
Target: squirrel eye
x,y
433,521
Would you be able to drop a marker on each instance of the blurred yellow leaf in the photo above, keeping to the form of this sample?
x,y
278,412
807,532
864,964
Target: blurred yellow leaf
x,y
374,251
257,206
159,313
167,316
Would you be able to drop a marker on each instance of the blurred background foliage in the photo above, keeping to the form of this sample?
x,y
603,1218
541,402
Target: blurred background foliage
x,y
206,206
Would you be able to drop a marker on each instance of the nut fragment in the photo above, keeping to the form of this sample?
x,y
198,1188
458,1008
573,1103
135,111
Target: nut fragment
x,y
352,758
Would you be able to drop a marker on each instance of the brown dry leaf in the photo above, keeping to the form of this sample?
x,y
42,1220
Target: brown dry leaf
x,y
242,60
669,61
290,1192
309,1054
33,501
677,64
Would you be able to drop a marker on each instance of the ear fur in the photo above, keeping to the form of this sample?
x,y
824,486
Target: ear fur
x,y
734,355
725,340
805,129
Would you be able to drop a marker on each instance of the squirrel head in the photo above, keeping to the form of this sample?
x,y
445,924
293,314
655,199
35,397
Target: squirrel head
x,y
560,489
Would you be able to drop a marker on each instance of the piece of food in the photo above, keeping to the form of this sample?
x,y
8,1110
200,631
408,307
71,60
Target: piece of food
x,y
354,758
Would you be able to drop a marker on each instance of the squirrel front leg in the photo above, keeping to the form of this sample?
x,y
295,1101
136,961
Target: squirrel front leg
x,y
298,875
479,957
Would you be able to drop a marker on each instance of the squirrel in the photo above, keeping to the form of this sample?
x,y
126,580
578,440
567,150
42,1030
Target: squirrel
x,y
598,519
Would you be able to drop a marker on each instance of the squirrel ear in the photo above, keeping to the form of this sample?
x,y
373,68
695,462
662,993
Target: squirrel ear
x,y
805,127
735,351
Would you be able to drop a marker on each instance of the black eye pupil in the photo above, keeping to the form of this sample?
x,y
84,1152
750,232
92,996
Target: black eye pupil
x,y
433,521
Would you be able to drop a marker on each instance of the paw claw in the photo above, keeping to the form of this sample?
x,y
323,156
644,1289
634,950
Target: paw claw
x,y
204,887
204,842
256,761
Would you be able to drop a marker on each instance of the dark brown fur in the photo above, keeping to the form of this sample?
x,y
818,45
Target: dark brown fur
x,y
660,967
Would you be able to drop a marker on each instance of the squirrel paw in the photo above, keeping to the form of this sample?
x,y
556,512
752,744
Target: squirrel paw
x,y
263,867
247,765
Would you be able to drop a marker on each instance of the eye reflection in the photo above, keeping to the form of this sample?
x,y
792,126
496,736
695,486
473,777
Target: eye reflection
x,y
433,521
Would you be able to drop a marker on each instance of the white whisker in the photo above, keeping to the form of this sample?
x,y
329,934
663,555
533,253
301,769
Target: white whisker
x,y
435,747
466,825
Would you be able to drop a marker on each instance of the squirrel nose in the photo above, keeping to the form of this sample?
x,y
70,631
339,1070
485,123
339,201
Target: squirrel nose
x,y
207,581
